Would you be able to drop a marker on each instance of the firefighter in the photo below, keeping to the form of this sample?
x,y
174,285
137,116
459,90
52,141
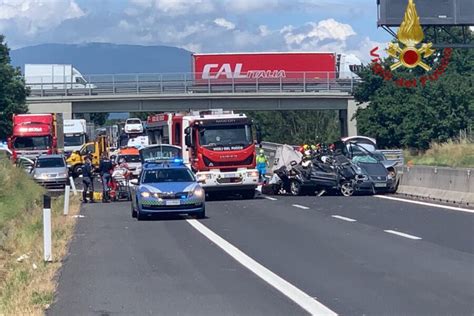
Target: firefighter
x,y
262,164
87,181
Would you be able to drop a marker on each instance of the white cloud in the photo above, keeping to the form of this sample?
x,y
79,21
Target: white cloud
x,y
33,16
224,23
174,7
316,35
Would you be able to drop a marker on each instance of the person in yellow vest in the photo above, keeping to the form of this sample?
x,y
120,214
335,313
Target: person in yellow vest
x,y
262,164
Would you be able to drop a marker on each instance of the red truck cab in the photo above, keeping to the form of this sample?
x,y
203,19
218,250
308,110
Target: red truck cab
x,y
34,134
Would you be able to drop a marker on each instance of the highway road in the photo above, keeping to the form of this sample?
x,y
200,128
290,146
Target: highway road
x,y
272,256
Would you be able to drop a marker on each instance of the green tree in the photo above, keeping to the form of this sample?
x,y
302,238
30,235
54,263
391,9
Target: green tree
x,y
12,91
297,127
414,117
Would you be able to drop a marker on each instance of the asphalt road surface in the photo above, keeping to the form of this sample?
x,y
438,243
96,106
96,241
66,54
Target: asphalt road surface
x,y
272,256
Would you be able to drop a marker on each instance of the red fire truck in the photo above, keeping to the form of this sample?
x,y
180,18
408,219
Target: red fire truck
x,y
218,145
36,134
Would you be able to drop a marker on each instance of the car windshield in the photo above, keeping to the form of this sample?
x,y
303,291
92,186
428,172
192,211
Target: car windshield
x,y
134,121
37,142
168,175
129,158
50,163
361,155
214,136
74,140
162,152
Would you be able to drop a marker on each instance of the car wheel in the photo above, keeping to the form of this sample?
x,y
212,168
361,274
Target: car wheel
x,y
250,194
347,189
140,216
77,170
295,188
201,214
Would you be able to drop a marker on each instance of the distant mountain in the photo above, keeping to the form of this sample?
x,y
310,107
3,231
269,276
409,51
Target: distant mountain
x,y
102,58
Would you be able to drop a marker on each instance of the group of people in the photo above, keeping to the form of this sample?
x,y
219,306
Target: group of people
x,y
106,168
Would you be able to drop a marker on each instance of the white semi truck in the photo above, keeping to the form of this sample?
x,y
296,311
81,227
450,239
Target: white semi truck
x,y
75,135
54,76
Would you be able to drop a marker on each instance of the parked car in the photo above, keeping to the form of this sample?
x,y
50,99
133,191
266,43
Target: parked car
x,y
51,172
133,126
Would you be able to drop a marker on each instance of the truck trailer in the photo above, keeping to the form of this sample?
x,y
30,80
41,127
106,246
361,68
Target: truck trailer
x,y
54,76
272,67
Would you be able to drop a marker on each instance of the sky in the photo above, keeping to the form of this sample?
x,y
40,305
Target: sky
x,y
342,26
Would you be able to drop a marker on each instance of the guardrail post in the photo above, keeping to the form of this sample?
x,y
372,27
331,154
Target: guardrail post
x,y
304,81
48,256
352,84
67,191
256,85
208,85
90,85
73,186
42,89
327,77
161,83
281,84
233,84
113,84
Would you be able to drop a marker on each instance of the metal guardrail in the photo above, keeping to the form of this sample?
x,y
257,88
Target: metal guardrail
x,y
184,83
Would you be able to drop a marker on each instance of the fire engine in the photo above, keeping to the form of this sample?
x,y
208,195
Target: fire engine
x,y
217,145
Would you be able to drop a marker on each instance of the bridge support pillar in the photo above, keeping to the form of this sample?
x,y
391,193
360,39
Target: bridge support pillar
x,y
351,120
343,122
43,108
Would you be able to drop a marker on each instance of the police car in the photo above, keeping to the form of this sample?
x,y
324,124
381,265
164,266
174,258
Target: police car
x,y
166,185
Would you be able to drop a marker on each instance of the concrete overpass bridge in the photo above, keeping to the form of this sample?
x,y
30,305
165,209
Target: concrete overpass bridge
x,y
137,95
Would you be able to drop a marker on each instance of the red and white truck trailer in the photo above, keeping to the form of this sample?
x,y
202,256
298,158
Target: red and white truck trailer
x,y
218,145
36,134
272,67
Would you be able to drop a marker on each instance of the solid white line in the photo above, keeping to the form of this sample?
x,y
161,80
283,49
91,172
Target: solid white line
x,y
344,218
270,198
289,290
301,207
402,234
454,208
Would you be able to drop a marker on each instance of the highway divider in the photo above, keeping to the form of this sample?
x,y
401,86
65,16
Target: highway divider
x,y
451,185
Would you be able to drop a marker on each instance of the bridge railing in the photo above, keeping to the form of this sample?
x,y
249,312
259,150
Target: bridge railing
x,y
184,83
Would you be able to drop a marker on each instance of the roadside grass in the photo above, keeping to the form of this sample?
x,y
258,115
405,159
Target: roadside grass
x,y
27,284
456,154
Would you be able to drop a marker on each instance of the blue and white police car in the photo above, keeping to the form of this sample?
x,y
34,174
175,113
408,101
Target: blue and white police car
x,y
166,185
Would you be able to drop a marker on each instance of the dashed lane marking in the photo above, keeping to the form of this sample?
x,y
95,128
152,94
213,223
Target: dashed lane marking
x,y
301,207
270,198
347,219
305,301
454,208
402,234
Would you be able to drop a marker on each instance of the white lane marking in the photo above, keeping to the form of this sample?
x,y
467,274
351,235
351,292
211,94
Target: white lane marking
x,y
301,207
344,218
270,198
402,234
454,208
305,301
